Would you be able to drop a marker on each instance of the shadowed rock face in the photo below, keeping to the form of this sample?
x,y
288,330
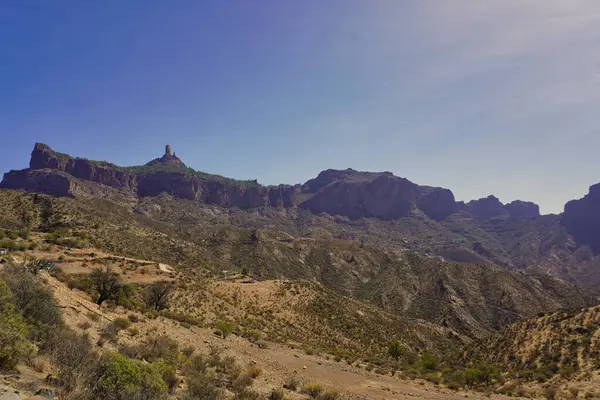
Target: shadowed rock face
x,y
491,208
382,195
582,218
523,209
349,193
49,172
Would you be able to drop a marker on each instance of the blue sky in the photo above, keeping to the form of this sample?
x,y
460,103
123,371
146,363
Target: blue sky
x,y
497,97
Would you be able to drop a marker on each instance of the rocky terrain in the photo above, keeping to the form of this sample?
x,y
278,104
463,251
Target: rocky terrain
x,y
343,254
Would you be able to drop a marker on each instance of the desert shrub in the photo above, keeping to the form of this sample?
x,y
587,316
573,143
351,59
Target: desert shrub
x,y
188,351
330,394
110,333
73,356
161,347
242,382
157,295
292,383
126,297
84,325
277,394
224,329
33,300
202,387
550,393
313,390
429,362
396,350
481,374
156,349
168,373
14,346
93,316
566,371
254,371
454,379
133,331
246,394
121,323
133,318
152,385
120,378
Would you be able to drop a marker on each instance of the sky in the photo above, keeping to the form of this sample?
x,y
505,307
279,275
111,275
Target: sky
x,y
482,97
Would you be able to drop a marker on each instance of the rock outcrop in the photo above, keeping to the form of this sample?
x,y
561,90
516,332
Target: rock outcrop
x,y
350,193
582,219
382,195
168,158
51,172
491,208
523,209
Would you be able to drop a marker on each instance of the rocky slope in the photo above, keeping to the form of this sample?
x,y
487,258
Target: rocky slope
x,y
468,299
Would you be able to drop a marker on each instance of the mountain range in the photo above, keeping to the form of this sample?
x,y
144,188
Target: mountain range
x,y
374,207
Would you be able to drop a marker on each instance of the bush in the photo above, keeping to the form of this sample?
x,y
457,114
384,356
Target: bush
x,y
161,347
110,333
429,362
277,394
93,316
121,323
292,383
158,348
120,378
454,380
33,300
396,350
13,332
254,371
313,390
133,318
73,356
224,329
169,374
330,394
202,387
482,374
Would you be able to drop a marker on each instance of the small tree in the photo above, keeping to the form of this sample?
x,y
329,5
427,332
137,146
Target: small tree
x,y
106,282
396,350
225,329
157,295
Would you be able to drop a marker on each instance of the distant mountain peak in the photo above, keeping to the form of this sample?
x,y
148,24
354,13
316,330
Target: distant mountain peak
x,y
169,158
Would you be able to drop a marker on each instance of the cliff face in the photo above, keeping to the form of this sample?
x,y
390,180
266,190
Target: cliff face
x,y
43,157
349,193
491,208
381,195
582,218
49,172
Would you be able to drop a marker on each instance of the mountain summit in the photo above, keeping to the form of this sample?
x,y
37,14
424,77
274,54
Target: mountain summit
x,y
168,158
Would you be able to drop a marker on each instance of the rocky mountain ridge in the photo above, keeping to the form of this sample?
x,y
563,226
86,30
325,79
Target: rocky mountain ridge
x,y
348,193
